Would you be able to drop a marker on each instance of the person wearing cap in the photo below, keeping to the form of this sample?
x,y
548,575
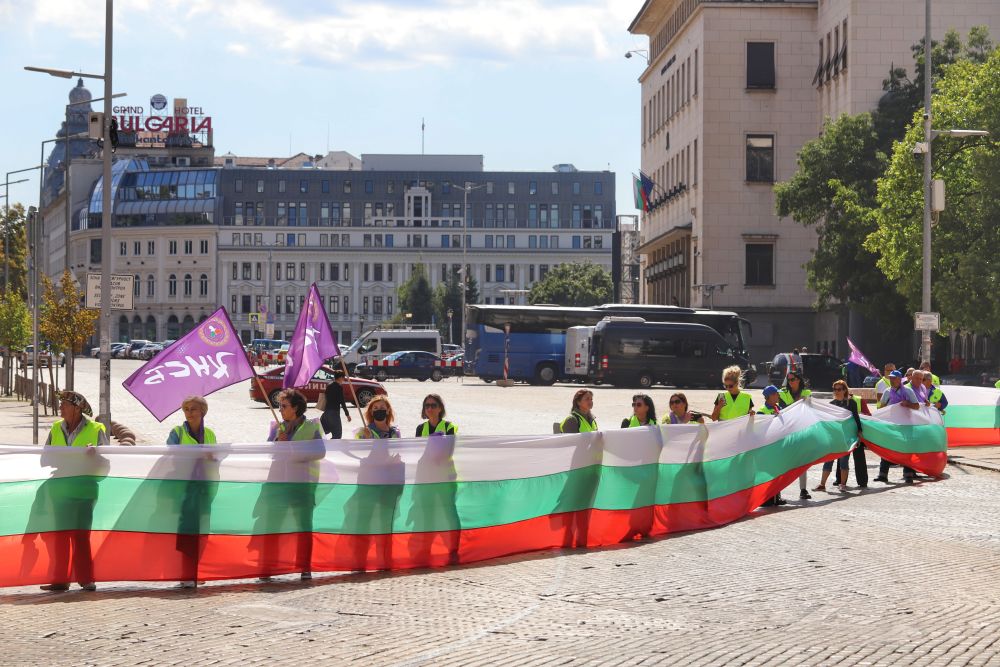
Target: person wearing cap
x,y
772,404
75,429
795,390
883,383
897,394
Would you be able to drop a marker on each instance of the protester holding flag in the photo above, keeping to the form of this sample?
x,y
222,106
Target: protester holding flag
x,y
901,395
294,425
380,420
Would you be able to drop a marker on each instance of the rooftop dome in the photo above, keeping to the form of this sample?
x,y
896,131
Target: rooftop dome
x,y
79,93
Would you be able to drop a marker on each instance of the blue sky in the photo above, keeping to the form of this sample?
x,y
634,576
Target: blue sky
x,y
526,83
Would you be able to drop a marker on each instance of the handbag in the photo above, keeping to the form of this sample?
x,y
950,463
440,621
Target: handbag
x,y
321,402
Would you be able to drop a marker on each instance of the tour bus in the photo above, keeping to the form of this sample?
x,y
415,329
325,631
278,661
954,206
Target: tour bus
x,y
383,340
631,352
537,339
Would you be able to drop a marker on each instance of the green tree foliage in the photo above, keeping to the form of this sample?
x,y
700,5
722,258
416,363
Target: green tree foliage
x,y
63,320
12,224
15,321
415,297
448,296
573,284
966,240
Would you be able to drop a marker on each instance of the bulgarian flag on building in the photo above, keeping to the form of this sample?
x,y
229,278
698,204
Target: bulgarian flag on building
x,y
642,188
173,513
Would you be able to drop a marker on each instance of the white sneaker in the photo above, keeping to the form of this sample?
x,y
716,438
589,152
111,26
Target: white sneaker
x,y
843,488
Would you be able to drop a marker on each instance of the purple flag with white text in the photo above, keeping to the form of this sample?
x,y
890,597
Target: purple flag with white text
x,y
205,360
312,343
858,358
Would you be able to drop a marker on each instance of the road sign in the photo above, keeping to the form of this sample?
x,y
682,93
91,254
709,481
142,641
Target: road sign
x,y
122,285
254,318
269,330
927,322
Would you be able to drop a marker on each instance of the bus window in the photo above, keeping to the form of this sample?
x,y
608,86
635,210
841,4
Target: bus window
x,y
660,348
630,346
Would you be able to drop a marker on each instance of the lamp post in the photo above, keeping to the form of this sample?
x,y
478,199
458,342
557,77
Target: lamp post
x,y
929,136
105,326
450,313
466,189
643,53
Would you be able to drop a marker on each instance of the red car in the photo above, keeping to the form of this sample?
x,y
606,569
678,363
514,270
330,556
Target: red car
x,y
365,390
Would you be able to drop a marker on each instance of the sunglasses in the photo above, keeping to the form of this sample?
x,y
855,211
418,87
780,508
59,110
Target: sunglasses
x,y
729,385
676,401
638,404
839,390
431,405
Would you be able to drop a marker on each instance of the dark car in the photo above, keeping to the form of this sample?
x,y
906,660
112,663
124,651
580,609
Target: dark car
x,y
820,370
414,364
272,380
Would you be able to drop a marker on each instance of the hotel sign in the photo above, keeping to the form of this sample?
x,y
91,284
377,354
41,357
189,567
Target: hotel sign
x,y
154,124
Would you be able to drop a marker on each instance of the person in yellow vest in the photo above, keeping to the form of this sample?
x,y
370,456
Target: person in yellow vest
x,y
795,390
380,419
643,412
926,367
75,429
433,412
732,403
298,498
772,405
581,417
679,413
196,504
997,385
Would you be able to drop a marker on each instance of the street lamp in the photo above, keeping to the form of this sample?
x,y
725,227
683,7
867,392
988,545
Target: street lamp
x,y
639,52
450,313
466,189
925,148
105,328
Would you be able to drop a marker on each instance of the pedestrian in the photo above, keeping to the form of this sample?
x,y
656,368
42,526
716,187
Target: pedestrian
x,y
433,413
643,412
298,498
679,412
732,403
926,366
75,429
772,403
795,389
935,397
380,421
843,399
883,383
581,417
897,394
794,360
334,402
956,365
199,491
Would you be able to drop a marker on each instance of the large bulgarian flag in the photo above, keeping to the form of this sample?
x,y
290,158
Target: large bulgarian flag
x,y
972,416
912,438
241,510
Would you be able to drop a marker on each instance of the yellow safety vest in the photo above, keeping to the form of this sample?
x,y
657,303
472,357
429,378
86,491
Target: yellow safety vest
x,y
765,410
186,439
585,426
88,435
735,407
785,396
309,430
443,427
633,422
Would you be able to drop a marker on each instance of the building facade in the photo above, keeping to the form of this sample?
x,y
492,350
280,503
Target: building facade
x,y
198,231
731,93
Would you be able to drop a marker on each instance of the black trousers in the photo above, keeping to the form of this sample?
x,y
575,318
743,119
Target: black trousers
x,y
330,420
860,465
883,470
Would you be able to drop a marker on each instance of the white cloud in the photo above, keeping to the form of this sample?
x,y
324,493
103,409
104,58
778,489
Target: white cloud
x,y
376,34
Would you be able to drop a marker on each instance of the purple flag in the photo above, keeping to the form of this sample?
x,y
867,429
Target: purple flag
x,y
312,344
205,360
858,358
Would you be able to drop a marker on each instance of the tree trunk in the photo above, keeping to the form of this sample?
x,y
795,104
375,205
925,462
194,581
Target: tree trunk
x,y
70,366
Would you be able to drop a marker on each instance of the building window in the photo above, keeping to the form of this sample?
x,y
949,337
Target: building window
x,y
598,188
203,246
281,185
347,191
335,305
236,271
203,285
289,304
150,286
324,187
760,158
247,268
510,187
188,247
137,248
377,305
576,187
259,267
369,187
123,248
303,186
364,305
531,274
238,185
760,264
172,285
290,271
500,273
260,186
555,188
150,247
489,187
187,284
172,248
576,242
760,65
532,187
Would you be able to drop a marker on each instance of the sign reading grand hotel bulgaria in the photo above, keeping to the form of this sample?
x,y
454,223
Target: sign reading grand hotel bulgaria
x,y
184,119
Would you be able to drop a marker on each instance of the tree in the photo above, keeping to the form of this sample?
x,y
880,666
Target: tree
x,y
966,243
415,297
12,224
471,290
573,284
15,321
63,320
448,296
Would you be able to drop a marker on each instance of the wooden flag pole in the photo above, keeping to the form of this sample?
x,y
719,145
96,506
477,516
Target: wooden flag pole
x,y
347,376
267,399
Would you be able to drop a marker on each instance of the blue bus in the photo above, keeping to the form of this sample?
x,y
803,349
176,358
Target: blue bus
x,y
538,335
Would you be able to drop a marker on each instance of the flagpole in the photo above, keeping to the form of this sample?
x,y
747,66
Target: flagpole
x,y
267,399
347,376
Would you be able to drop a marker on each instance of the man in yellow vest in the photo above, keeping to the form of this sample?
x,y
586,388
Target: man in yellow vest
x,y
75,429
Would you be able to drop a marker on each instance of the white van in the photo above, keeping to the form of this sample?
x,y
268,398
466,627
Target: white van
x,y
577,356
383,340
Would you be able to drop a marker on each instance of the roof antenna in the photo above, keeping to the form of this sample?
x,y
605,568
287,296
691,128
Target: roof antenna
x,y
423,126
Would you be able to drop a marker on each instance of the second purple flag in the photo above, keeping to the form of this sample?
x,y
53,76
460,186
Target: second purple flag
x,y
313,342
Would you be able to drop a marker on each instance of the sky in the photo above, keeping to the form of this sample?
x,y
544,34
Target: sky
x,y
526,83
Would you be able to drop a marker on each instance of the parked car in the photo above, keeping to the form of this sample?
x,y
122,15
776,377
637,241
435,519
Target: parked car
x,y
118,350
132,351
448,350
359,392
149,351
44,357
274,356
415,364
821,370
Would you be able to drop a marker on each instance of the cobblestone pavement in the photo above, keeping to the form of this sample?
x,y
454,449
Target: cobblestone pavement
x,y
895,575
